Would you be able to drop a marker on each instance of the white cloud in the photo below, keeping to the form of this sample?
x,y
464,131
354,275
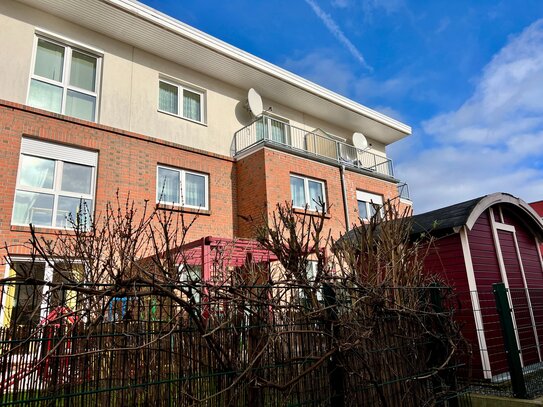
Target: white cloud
x,y
341,3
493,142
334,29
322,67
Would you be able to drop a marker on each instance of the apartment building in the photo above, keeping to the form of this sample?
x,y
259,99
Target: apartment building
x,y
100,96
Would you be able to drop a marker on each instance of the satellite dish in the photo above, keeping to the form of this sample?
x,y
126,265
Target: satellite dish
x,y
360,141
254,102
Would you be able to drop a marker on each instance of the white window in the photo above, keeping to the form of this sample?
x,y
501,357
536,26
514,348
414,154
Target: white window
x,y
273,129
64,80
191,277
180,101
311,275
307,193
55,185
28,304
182,187
368,204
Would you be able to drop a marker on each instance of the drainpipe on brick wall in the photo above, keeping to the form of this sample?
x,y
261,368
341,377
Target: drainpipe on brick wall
x,y
344,190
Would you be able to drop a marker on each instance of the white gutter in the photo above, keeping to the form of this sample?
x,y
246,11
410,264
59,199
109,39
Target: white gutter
x,y
221,47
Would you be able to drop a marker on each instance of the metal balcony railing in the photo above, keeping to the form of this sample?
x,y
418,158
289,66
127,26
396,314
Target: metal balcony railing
x,y
270,131
403,191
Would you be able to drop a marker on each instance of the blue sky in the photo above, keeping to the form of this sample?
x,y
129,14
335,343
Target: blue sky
x,y
466,75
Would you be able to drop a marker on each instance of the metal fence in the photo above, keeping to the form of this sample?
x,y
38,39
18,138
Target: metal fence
x,y
270,131
145,350
504,327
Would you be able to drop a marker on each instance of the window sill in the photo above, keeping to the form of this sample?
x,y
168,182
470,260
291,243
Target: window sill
x,y
43,230
182,118
310,212
183,209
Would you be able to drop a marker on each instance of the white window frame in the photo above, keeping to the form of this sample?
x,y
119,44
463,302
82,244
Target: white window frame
x,y
182,181
48,275
180,88
60,154
369,199
68,46
306,192
266,123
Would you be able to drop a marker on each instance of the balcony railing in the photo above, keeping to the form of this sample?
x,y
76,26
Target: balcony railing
x,y
269,131
403,191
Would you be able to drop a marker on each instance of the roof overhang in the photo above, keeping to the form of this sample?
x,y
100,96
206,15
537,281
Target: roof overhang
x,y
145,28
502,198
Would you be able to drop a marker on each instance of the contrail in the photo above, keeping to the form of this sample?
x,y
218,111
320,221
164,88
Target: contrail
x,y
336,32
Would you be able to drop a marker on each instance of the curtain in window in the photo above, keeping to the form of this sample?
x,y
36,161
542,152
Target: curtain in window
x,y
168,186
45,96
191,105
297,192
80,105
362,210
49,60
261,129
277,131
195,190
167,98
315,195
83,71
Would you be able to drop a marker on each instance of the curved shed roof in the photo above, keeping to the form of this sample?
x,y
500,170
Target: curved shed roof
x,y
452,218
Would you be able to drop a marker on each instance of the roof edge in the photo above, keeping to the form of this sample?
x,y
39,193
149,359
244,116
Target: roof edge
x,y
500,197
162,20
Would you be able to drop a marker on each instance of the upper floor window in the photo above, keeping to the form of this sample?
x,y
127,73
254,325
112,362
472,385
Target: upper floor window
x,y
180,101
64,80
307,193
55,184
182,187
368,204
273,129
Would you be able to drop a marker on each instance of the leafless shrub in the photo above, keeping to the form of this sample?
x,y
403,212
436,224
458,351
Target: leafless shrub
x,y
250,324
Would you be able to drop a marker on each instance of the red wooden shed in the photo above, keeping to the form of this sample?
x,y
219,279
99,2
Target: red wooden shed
x,y
487,240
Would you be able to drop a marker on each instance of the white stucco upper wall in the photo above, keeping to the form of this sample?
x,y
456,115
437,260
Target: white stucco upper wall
x,y
128,96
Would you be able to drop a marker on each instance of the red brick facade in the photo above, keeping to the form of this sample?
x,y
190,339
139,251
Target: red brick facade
x,y
274,167
241,192
126,162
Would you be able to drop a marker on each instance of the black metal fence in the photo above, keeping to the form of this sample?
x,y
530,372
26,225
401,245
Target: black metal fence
x,y
504,327
356,349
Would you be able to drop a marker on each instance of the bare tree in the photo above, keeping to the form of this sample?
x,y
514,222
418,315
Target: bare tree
x,y
297,316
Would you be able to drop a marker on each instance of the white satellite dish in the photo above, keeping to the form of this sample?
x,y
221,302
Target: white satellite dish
x,y
254,102
360,141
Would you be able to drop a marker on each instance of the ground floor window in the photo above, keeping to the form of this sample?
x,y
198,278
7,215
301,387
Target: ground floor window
x,y
29,302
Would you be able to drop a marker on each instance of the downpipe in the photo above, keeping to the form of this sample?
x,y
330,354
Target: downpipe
x,y
344,193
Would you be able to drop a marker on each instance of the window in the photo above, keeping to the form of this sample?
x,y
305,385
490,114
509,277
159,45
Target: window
x,y
181,187
64,80
55,185
28,304
307,193
180,101
272,129
311,275
368,204
191,276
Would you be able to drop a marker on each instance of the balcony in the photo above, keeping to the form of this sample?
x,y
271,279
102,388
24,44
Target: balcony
x,y
403,191
268,131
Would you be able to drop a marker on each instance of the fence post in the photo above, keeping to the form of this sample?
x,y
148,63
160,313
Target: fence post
x,y
336,372
440,348
510,341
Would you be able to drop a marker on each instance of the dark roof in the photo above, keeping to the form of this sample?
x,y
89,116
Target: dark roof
x,y
444,218
443,221
437,221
